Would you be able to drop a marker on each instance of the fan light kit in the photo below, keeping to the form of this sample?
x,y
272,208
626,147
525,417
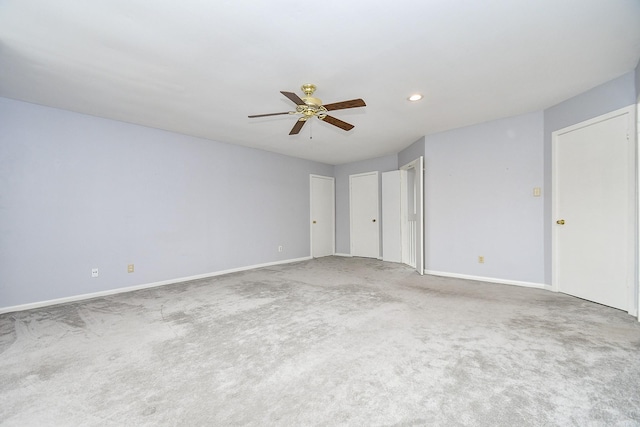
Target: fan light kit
x,y
308,107
415,97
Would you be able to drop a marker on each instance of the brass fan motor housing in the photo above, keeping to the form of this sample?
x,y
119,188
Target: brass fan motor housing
x,y
310,101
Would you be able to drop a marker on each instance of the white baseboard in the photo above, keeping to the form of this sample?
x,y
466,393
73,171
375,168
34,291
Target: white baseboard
x,y
345,255
81,297
490,280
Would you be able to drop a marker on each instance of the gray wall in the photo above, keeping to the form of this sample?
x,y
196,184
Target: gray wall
x,y
479,183
342,172
78,192
411,153
610,96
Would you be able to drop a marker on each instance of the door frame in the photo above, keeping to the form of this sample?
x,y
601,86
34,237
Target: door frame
x,y
377,174
633,286
637,219
333,212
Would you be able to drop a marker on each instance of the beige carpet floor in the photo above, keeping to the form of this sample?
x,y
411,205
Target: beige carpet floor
x,y
327,342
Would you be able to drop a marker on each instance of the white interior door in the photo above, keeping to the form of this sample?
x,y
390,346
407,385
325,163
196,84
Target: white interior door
x,y
594,212
364,208
322,216
412,213
391,217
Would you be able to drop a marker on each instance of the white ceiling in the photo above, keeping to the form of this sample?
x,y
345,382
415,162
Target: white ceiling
x,y
200,67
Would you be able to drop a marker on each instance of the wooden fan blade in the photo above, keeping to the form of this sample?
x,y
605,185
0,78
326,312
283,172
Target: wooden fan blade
x,y
293,97
270,114
296,128
338,122
353,103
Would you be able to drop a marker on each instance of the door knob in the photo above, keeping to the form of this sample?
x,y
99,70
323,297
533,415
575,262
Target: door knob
x,y
373,220
314,221
560,222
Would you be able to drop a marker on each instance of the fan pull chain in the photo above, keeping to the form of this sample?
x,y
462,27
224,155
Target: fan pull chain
x,y
310,129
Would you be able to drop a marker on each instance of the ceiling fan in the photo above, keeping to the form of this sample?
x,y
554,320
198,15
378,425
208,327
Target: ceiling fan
x,y
309,106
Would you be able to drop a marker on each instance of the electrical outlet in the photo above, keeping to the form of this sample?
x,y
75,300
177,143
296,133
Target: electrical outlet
x,y
94,272
481,259
280,248
130,268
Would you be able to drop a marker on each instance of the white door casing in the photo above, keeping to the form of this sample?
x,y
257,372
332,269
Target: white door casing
x,y
364,207
637,216
594,210
322,215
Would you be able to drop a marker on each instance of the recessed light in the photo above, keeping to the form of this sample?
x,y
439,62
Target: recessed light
x,y
415,97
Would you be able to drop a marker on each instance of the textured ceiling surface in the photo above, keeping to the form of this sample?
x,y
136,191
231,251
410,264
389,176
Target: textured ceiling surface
x,y
200,68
